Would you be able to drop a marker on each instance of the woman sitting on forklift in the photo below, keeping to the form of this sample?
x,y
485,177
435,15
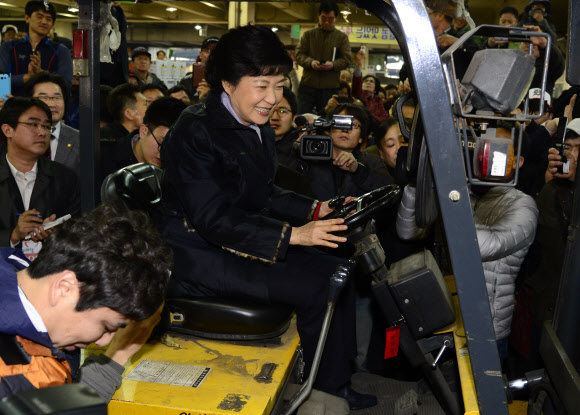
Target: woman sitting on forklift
x,y
233,232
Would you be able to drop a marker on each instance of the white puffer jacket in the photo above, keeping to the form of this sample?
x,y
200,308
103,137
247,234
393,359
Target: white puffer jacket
x,y
505,222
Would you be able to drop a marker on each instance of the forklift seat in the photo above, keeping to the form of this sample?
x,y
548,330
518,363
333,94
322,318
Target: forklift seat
x,y
139,187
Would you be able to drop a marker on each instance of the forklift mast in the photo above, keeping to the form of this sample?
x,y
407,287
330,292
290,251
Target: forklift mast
x,y
409,22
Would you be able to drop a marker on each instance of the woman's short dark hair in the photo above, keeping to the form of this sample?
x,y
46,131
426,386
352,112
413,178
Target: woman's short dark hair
x,y
358,112
15,107
246,51
291,98
377,82
119,259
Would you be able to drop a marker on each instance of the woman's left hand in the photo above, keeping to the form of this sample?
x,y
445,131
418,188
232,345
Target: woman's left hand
x,y
346,161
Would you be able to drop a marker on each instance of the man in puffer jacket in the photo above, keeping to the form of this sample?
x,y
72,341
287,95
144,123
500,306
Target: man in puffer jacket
x,y
505,222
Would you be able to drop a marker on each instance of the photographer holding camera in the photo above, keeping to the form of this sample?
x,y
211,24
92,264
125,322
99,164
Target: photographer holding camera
x,y
536,14
347,171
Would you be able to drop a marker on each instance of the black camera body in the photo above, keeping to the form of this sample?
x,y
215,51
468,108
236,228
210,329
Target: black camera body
x,y
317,146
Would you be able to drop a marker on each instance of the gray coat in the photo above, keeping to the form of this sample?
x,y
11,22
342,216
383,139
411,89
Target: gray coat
x,y
505,222
68,151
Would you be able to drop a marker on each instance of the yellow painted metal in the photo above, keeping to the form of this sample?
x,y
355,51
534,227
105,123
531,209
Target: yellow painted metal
x,y
234,366
462,353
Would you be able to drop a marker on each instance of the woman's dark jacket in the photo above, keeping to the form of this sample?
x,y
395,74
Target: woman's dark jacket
x,y
219,195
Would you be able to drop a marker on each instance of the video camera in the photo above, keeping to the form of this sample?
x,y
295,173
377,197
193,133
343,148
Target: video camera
x,y
317,146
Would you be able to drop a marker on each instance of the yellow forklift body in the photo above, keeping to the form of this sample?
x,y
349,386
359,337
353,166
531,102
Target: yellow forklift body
x,y
229,386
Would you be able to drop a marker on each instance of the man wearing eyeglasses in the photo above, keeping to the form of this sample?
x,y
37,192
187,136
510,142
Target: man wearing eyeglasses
x,y
143,144
64,143
33,189
323,52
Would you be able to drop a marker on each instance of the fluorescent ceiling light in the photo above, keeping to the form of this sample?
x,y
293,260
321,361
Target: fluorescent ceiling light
x,y
171,9
274,29
73,9
66,15
8,5
197,27
207,3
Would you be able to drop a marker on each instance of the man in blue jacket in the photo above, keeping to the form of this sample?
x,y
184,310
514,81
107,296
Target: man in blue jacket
x,y
103,273
36,52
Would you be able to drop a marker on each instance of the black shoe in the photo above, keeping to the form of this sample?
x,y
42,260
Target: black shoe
x,y
355,400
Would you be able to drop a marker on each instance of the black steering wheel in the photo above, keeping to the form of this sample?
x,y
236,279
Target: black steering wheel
x,y
365,206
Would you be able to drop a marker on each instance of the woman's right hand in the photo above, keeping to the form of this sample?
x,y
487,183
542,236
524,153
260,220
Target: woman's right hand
x,y
318,233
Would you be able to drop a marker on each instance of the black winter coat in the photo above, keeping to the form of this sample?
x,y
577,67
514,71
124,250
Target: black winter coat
x,y
220,199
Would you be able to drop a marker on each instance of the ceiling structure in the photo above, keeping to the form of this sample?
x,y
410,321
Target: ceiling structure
x,y
167,20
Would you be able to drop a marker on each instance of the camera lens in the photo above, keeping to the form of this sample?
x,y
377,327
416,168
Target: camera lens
x,y
317,147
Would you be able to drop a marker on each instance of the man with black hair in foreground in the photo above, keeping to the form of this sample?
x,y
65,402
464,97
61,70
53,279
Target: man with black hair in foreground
x,y
98,275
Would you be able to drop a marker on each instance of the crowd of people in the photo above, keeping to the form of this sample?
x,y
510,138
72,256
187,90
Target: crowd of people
x,y
240,203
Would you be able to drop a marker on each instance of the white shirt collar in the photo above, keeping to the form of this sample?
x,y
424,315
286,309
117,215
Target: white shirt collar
x,y
14,171
33,314
56,130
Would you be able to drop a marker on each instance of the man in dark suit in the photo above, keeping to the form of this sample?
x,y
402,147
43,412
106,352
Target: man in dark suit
x,y
65,142
33,189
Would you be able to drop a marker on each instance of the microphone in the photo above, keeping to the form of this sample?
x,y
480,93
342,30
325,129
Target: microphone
x,y
300,121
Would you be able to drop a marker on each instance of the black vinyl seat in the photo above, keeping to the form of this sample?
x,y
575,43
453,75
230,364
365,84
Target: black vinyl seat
x,y
139,187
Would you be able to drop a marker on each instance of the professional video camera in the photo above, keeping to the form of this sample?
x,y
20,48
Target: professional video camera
x,y
317,146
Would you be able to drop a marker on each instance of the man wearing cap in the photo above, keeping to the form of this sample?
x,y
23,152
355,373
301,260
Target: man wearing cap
x,y
9,32
141,59
200,91
36,52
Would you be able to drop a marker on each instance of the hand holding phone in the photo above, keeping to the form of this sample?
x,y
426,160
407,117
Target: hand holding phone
x,y
560,146
52,224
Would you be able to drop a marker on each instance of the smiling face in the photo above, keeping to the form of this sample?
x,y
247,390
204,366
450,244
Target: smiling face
x,y
390,145
51,95
39,23
346,140
254,97
31,137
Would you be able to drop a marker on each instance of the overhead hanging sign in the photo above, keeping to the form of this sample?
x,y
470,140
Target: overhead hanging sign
x,y
369,34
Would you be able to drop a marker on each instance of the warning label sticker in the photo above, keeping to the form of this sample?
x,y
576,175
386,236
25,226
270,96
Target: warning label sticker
x,y
167,373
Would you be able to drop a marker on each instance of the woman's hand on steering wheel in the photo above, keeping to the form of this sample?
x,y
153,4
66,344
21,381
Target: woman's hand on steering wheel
x,y
319,233
325,209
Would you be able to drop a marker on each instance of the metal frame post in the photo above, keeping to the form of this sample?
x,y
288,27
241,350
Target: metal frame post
x,y
409,21
89,104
